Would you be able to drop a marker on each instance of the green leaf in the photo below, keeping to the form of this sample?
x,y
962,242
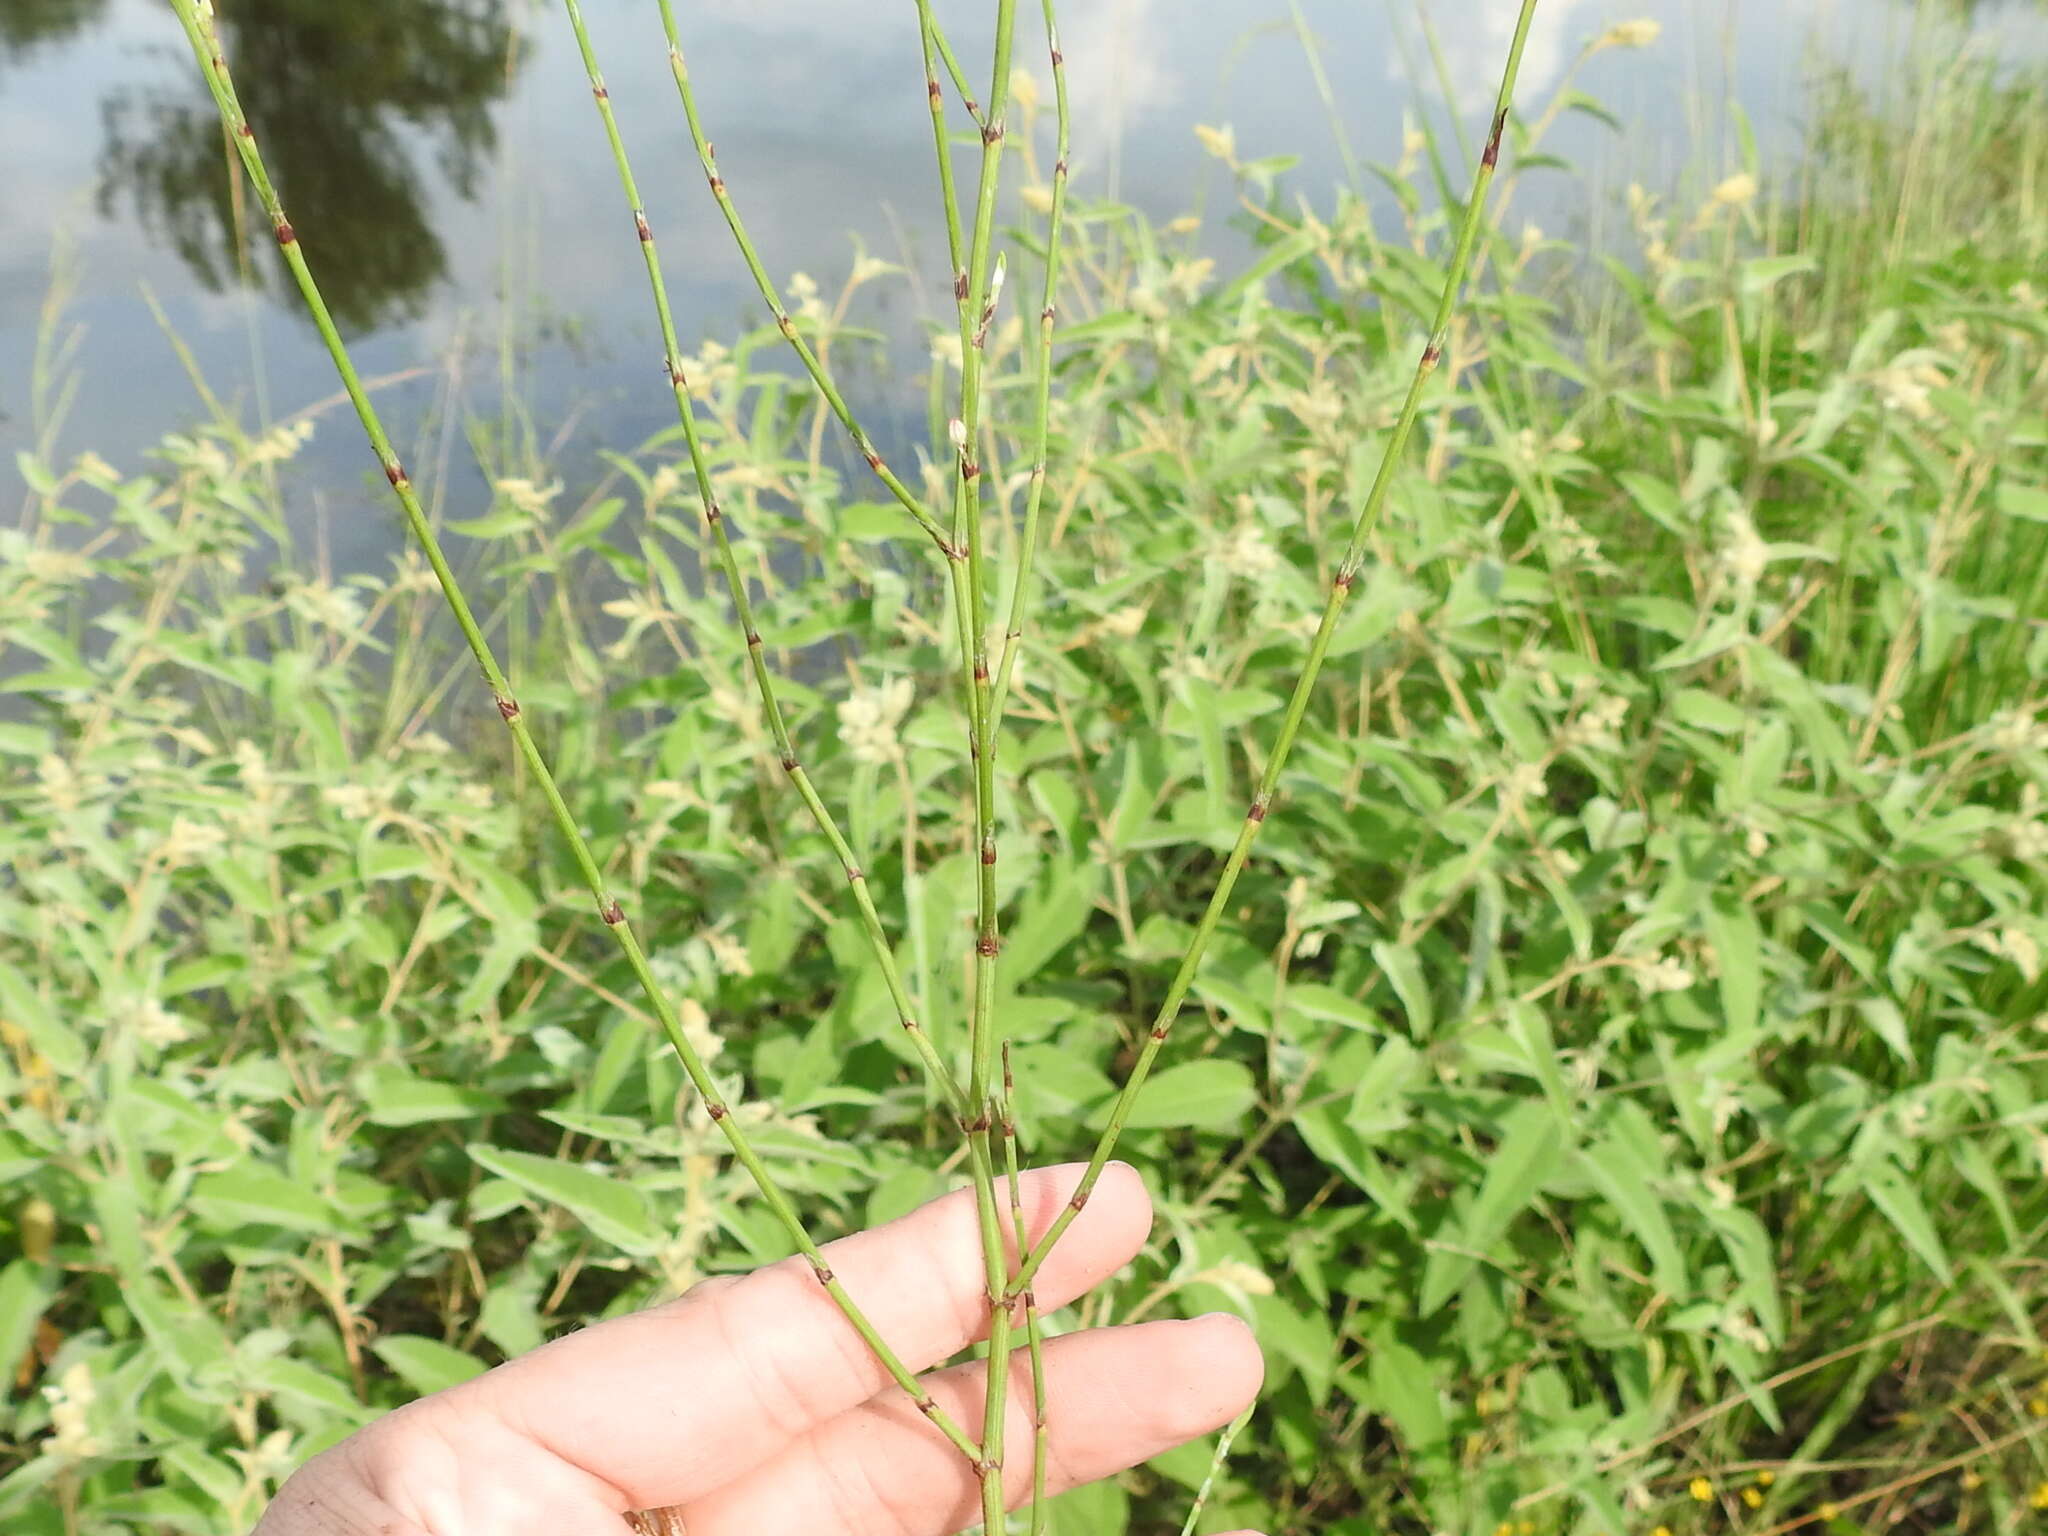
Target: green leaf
x,y
1738,947
255,1196
1888,1024
1403,970
1622,1178
614,1210
1204,1095
24,1293
423,1364
1527,1156
1403,1388
1893,1194
1051,919
392,1096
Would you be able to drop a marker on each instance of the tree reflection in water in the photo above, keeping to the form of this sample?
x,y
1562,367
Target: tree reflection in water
x,y
352,100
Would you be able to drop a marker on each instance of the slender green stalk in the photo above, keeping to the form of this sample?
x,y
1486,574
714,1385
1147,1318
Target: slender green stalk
x,y
1319,647
196,18
928,36
1041,1431
715,519
973,1110
959,76
1027,546
1223,1442
984,287
707,157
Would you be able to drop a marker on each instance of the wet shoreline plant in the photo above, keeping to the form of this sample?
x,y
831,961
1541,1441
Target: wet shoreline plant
x,y
981,1106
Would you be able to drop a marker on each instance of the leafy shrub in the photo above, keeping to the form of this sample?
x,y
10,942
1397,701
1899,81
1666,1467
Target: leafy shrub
x,y
1618,1081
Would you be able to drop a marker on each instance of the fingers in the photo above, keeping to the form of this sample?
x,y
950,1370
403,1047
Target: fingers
x,y
1116,1396
668,1404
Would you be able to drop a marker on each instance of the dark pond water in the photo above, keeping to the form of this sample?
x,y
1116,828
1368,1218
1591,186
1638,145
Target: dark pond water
x,y
443,163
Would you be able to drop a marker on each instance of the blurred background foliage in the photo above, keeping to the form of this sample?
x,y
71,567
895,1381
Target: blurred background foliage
x,y
1617,1099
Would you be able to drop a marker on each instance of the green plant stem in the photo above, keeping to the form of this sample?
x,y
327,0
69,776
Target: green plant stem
x,y
1027,544
871,922
205,46
928,36
952,61
983,291
1034,1334
972,1110
1297,705
863,444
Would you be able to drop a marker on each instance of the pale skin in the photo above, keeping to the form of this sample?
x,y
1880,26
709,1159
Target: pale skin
x,y
750,1408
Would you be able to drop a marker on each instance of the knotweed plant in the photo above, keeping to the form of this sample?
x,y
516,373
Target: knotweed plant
x,y
951,529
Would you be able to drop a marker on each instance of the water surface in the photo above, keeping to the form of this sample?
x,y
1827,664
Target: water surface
x,y
442,161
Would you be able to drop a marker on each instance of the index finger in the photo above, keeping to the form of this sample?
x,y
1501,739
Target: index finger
x,y
665,1405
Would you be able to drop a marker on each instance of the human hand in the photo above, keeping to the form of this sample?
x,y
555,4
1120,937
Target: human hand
x,y
748,1407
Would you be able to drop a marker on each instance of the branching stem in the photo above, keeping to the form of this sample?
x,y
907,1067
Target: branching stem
x,y
1341,584
197,20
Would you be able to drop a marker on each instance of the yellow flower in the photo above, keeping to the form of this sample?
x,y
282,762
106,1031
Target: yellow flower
x,y
2040,1498
1736,190
1700,1489
1765,1478
1753,1497
1631,34
1662,1530
1829,1510
2037,1405
1220,142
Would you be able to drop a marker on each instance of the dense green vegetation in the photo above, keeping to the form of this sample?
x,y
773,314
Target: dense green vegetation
x,y
1616,1096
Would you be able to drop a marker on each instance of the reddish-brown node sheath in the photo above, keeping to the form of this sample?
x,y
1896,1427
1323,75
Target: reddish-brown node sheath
x,y
394,472
753,639
1080,1199
927,1406
717,185
1258,811
1432,355
285,233
509,708
1160,1031
959,286
1058,58
988,853
1059,168
1046,314
789,765
784,324
931,89
981,669
602,93
969,469
992,133
713,512
612,913
1344,580
987,945
854,874
1492,156
640,227
246,131
824,1274
874,459
716,1111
